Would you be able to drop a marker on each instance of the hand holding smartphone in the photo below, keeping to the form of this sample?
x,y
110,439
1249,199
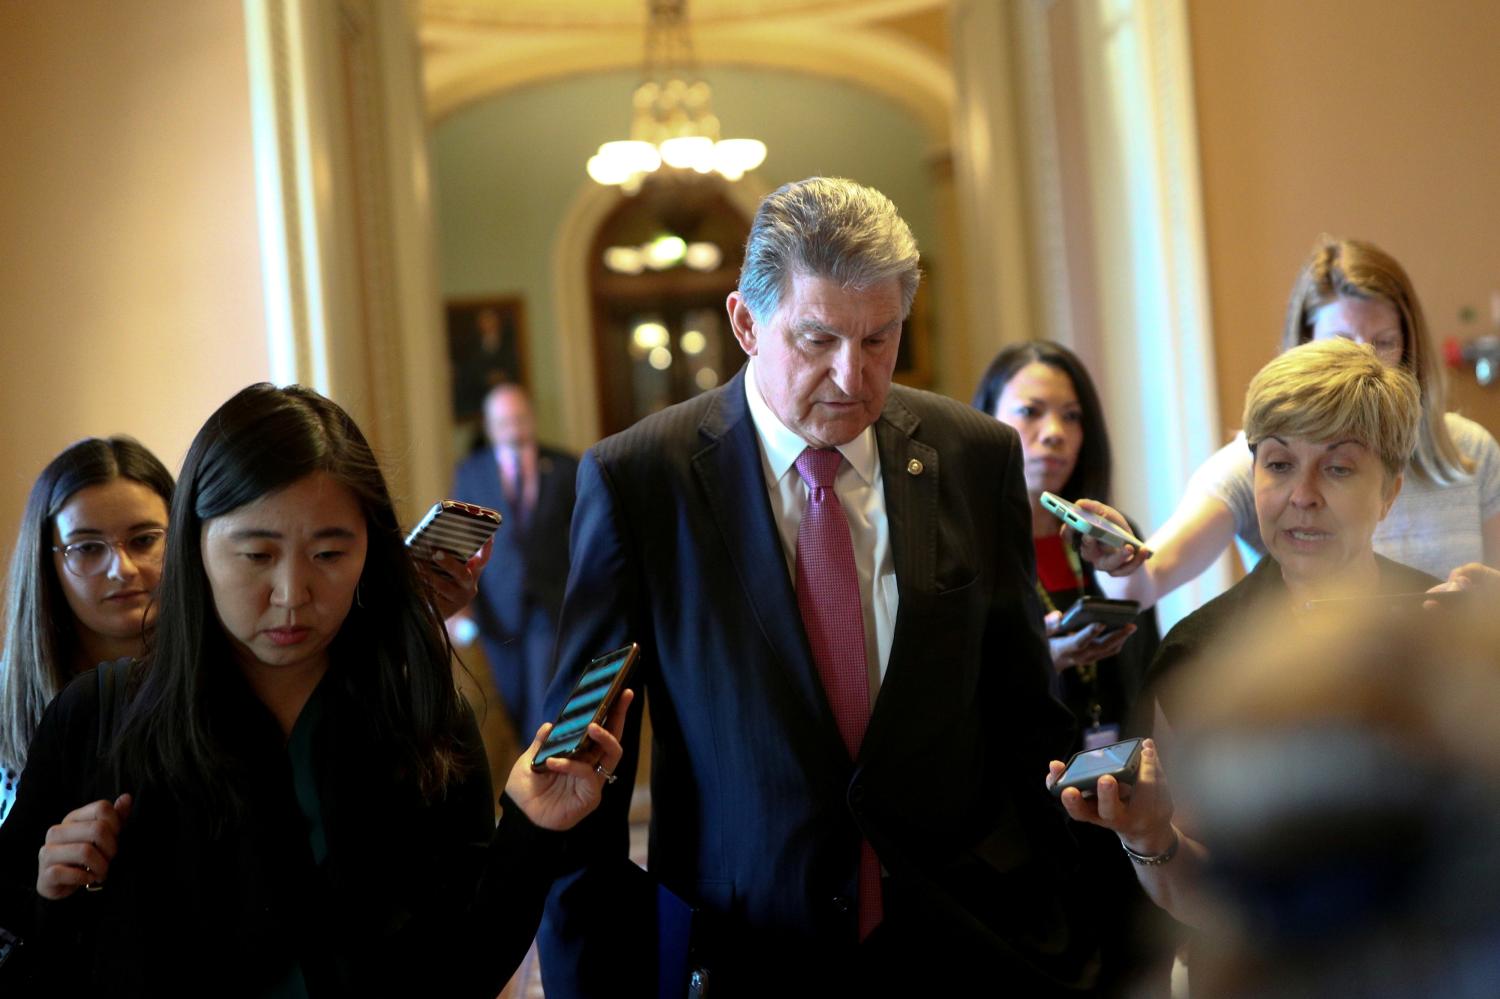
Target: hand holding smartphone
x,y
1086,610
451,526
1090,525
601,685
1122,761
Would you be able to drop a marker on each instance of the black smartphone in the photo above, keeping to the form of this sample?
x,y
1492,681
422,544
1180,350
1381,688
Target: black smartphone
x,y
1122,761
10,945
460,529
1098,610
592,699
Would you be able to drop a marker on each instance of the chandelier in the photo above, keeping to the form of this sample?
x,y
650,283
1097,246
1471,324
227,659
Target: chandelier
x,y
672,123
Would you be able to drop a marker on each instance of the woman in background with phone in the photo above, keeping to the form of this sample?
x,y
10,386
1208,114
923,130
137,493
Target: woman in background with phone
x,y
288,795
1043,390
82,581
1448,513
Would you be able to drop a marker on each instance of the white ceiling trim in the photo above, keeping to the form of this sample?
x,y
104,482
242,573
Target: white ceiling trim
x,y
883,62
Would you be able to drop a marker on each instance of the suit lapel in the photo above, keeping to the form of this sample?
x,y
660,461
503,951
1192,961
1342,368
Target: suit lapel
x,y
729,469
909,475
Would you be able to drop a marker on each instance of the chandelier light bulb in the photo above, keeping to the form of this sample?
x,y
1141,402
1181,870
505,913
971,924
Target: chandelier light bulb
x,y
738,156
664,251
686,152
703,256
649,336
672,119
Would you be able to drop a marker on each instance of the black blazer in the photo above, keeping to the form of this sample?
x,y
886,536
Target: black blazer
x,y
1194,636
415,897
757,808
529,567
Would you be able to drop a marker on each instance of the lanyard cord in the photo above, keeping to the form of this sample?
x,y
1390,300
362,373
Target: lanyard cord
x,y
1087,672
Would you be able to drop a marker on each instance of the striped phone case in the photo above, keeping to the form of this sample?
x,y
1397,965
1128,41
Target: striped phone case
x,y
459,529
592,700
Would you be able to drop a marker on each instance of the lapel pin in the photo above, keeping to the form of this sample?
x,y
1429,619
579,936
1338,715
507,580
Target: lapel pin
x,y
914,467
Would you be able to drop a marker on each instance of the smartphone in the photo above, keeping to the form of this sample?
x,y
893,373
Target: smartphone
x,y
1089,524
1122,761
460,529
592,700
10,945
1097,610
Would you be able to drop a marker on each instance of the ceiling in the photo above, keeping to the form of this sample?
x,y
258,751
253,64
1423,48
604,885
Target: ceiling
x,y
595,14
474,49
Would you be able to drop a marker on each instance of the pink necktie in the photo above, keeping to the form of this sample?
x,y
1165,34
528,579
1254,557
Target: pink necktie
x,y
510,477
828,597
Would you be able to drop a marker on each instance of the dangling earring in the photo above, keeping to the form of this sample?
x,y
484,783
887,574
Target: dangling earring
x,y
358,602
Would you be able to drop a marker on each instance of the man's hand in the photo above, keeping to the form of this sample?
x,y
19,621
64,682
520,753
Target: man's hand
x,y
1087,645
454,583
79,850
563,794
1120,561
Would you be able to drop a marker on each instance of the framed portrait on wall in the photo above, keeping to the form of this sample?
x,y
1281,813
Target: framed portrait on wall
x,y
486,347
914,356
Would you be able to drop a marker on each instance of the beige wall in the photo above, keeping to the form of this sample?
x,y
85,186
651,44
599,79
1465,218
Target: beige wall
x,y
1369,118
130,292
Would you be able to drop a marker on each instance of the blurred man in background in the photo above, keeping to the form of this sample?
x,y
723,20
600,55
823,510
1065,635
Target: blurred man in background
x,y
519,598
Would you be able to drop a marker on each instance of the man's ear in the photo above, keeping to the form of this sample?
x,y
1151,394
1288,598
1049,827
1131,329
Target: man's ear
x,y
741,321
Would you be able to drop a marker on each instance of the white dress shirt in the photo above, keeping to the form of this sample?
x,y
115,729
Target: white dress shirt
x,y
862,495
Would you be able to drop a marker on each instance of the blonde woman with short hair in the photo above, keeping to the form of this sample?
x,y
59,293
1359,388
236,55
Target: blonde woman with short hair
x,y
1331,429
1448,512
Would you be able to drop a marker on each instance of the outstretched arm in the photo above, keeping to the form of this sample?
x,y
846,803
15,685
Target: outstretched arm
x,y
1184,547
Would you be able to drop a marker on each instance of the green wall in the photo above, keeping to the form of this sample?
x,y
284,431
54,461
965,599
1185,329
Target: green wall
x,y
508,168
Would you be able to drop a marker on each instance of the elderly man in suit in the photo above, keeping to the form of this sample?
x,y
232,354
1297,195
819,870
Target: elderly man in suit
x,y
831,581
520,597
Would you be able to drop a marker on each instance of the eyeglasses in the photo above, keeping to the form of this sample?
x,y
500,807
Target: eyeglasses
x,y
93,556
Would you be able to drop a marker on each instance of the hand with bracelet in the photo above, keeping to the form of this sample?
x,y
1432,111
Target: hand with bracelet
x,y
1165,860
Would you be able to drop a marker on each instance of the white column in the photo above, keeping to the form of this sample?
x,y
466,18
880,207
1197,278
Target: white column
x,y
347,243
1151,287
988,183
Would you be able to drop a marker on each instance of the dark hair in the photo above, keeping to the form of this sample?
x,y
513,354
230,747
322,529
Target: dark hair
x,y
1091,475
260,441
41,639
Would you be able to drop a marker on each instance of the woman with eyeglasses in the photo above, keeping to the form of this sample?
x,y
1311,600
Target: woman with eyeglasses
x,y
83,578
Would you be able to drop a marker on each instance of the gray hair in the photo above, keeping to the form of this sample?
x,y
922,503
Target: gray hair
x,y
826,227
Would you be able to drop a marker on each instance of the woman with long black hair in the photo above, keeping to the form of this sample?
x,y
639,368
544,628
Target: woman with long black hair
x,y
287,796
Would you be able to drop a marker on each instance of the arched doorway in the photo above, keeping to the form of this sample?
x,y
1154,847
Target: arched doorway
x,y
661,264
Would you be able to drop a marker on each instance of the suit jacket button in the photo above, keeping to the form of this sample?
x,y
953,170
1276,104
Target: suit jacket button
x,y
842,905
856,794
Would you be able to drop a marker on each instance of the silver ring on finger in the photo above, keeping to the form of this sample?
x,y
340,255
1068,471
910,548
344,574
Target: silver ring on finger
x,y
609,778
94,885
